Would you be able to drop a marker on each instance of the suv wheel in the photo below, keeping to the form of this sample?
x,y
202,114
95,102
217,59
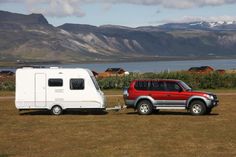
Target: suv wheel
x,y
197,108
144,107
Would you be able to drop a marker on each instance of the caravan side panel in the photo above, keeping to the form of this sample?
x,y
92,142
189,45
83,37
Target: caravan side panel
x,y
89,97
33,90
40,90
24,89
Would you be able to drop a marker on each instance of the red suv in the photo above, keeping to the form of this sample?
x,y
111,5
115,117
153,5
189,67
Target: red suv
x,y
149,95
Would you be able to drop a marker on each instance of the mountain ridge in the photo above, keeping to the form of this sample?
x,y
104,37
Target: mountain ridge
x,y
201,25
20,18
32,38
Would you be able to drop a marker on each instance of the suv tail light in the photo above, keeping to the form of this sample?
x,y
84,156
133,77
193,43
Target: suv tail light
x,y
125,92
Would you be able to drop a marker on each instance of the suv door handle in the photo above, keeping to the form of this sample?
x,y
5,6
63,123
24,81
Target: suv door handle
x,y
168,95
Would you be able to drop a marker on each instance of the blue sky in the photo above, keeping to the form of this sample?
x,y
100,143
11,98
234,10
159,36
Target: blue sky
x,y
131,13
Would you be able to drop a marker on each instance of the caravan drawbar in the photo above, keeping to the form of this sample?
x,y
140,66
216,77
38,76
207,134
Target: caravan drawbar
x,y
57,89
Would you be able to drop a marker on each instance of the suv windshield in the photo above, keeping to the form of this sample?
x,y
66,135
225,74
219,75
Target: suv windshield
x,y
185,86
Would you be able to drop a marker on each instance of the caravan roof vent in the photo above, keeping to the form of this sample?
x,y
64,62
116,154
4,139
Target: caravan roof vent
x,y
27,67
54,67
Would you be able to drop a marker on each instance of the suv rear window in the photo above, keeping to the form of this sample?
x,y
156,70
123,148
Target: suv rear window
x,y
149,85
141,85
157,86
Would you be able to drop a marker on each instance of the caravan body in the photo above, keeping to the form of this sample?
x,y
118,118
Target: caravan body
x,y
57,87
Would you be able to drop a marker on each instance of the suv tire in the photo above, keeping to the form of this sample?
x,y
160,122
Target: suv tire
x,y
197,107
144,107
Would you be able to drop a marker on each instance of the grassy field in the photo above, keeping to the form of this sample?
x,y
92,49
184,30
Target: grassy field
x,y
124,133
7,93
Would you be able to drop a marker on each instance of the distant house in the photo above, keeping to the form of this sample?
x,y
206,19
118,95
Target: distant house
x,y
113,72
95,73
202,69
221,71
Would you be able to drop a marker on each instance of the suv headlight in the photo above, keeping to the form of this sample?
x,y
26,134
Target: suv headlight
x,y
210,97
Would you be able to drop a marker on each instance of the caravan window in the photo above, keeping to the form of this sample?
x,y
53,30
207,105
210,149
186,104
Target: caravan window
x,y
77,84
55,82
95,82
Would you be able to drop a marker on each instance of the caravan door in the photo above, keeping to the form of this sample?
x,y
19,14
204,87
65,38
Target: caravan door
x,y
40,90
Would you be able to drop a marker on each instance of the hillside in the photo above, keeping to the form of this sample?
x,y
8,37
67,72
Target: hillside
x,y
32,38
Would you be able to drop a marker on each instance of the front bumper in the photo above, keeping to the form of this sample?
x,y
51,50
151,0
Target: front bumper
x,y
212,103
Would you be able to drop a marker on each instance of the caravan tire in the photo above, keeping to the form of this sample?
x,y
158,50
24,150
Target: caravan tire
x,y
56,110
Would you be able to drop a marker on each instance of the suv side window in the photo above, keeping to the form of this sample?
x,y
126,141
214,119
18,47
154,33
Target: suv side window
x,y
141,85
157,86
172,86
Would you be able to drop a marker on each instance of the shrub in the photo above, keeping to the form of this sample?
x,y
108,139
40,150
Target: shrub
x,y
195,80
7,83
7,86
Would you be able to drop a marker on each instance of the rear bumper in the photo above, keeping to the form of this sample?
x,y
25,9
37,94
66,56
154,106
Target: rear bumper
x,y
129,103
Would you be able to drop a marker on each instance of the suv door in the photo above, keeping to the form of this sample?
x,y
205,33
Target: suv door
x,y
175,95
167,94
141,89
157,92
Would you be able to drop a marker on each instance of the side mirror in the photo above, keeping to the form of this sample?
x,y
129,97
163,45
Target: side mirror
x,y
180,90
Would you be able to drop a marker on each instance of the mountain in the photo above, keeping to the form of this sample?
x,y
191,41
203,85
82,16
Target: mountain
x,y
7,17
32,38
156,41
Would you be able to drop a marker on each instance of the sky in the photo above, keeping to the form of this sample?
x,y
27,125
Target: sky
x,y
131,13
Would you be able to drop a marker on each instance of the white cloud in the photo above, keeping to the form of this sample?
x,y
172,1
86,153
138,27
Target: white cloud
x,y
73,7
106,6
169,3
57,8
158,12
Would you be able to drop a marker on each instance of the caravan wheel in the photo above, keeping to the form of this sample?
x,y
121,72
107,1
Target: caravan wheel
x,y
56,110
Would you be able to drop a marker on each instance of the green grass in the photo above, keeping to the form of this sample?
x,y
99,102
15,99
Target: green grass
x,y
113,91
7,93
196,80
124,133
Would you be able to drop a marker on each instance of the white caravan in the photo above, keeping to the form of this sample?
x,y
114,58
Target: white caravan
x,y
57,89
